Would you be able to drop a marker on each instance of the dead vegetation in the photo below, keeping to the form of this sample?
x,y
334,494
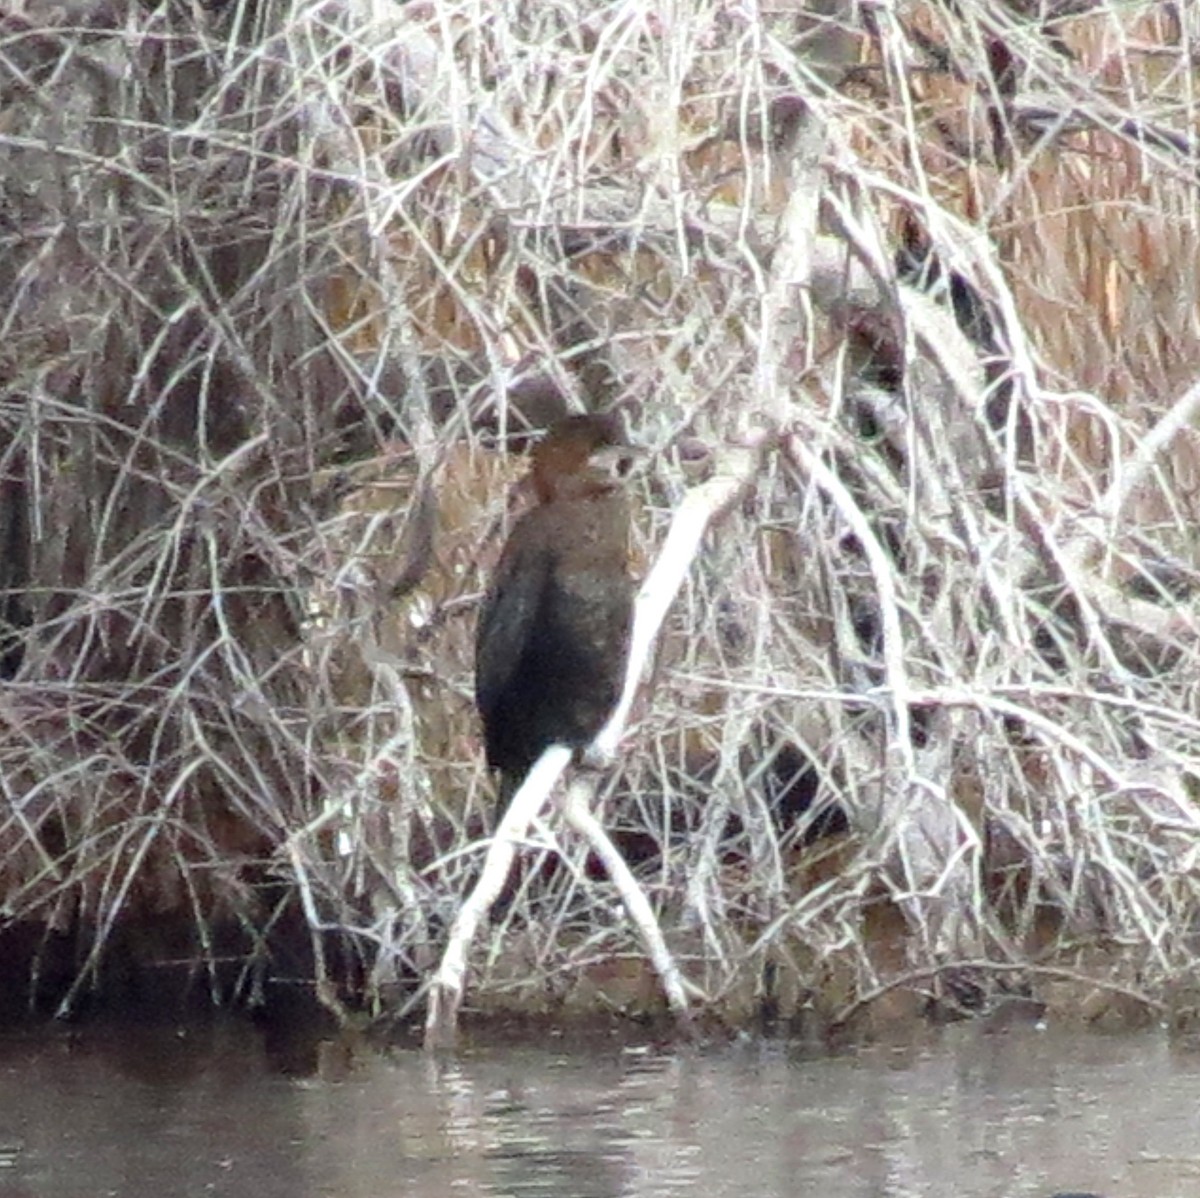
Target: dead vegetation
x,y
277,279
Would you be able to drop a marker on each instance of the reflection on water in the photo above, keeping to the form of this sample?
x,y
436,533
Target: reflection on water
x,y
966,1115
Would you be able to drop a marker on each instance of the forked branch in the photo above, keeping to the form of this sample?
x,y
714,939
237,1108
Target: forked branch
x,y
736,469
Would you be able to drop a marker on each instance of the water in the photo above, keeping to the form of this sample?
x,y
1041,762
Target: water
x,y
966,1114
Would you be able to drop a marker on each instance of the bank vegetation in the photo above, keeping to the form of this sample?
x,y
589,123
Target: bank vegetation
x,y
285,285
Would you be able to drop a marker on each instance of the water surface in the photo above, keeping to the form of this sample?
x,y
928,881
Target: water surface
x,y
967,1114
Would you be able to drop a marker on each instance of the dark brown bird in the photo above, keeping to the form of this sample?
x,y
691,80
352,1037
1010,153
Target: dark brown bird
x,y
553,636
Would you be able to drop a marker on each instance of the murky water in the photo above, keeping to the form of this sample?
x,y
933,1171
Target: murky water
x,y
965,1115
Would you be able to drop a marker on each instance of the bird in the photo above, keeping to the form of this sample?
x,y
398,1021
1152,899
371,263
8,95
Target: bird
x,y
552,640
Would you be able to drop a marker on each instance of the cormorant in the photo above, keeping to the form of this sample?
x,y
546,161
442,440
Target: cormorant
x,y
553,636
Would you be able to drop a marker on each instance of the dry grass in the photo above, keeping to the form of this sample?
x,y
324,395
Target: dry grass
x,y
269,275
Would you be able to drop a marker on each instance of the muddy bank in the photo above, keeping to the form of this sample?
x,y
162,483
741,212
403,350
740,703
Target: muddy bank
x,y
292,982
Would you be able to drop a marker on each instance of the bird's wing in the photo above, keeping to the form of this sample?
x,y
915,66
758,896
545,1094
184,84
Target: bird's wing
x,y
509,614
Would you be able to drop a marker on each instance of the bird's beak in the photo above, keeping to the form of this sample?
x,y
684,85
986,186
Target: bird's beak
x,y
618,462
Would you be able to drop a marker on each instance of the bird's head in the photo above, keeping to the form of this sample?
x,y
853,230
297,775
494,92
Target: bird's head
x,y
582,456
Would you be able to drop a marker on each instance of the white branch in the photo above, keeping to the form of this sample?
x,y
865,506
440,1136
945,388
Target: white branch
x,y
736,468
811,465
1181,415
446,988
579,816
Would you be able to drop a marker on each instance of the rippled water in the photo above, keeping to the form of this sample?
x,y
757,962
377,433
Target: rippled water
x,y
966,1115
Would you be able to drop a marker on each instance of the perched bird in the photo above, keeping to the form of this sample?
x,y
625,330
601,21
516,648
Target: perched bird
x,y
553,636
